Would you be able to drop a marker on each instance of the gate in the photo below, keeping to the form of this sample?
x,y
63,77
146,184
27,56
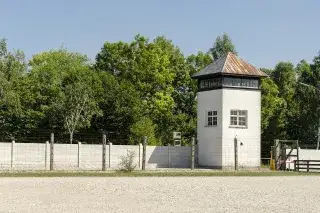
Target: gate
x,y
280,154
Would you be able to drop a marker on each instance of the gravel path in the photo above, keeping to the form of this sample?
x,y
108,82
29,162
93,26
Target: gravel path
x,y
156,194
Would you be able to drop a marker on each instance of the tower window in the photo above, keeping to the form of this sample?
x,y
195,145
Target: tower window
x,y
210,83
238,118
241,82
211,118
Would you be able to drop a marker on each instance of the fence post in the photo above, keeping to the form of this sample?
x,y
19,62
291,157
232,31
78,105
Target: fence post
x,y
51,151
140,145
145,139
236,153
197,153
12,148
192,152
104,144
110,145
276,153
46,154
169,156
307,166
297,145
79,153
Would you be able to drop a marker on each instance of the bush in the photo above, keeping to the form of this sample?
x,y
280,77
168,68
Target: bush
x,y
127,161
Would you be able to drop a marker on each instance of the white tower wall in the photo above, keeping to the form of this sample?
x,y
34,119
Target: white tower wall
x,y
216,143
249,153
209,138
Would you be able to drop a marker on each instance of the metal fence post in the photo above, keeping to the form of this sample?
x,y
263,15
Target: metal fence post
x,y
12,148
104,144
145,138
235,153
192,152
51,151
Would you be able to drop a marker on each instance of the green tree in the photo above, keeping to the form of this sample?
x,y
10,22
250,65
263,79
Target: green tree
x,y
144,127
155,69
305,126
270,102
17,117
67,90
222,46
120,104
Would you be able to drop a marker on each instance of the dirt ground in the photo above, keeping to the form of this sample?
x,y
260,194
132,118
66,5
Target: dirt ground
x,y
160,194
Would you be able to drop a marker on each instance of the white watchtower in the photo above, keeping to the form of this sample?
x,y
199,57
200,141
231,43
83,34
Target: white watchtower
x,y
229,106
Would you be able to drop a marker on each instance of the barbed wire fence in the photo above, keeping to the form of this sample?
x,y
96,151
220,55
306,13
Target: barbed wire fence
x,y
32,151
36,152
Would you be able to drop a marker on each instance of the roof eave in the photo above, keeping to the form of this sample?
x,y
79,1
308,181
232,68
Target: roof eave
x,y
227,74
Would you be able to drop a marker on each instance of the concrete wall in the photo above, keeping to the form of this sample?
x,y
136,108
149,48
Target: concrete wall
x,y
91,156
209,138
29,156
168,157
5,155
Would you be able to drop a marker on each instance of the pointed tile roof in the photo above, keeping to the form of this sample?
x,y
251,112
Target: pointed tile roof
x,y
230,64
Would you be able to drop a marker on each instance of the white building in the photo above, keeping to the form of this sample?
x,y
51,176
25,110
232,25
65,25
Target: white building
x,y
229,106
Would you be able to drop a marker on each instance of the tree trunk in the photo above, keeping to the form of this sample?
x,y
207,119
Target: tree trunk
x,y
71,137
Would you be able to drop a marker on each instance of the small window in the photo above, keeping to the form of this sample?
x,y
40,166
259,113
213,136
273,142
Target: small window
x,y
238,118
211,118
210,83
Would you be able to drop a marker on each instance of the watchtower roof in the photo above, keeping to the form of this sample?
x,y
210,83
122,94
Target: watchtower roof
x,y
230,64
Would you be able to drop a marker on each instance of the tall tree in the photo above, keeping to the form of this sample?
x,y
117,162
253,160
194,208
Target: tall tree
x,y
222,46
152,67
67,90
307,95
16,114
120,104
284,76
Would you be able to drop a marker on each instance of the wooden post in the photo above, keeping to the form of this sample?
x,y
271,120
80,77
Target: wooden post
x,y
192,152
297,145
79,150
144,152
51,151
307,166
12,148
104,144
235,153
295,165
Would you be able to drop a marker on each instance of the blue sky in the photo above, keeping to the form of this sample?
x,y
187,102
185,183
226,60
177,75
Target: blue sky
x,y
264,32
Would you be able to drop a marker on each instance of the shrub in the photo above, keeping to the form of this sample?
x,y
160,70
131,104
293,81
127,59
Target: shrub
x,y
127,161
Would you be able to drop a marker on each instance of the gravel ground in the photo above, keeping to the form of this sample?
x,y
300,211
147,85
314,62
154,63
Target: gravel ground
x,y
161,194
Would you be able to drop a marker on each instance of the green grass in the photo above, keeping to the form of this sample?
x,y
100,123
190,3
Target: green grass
x,y
150,174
